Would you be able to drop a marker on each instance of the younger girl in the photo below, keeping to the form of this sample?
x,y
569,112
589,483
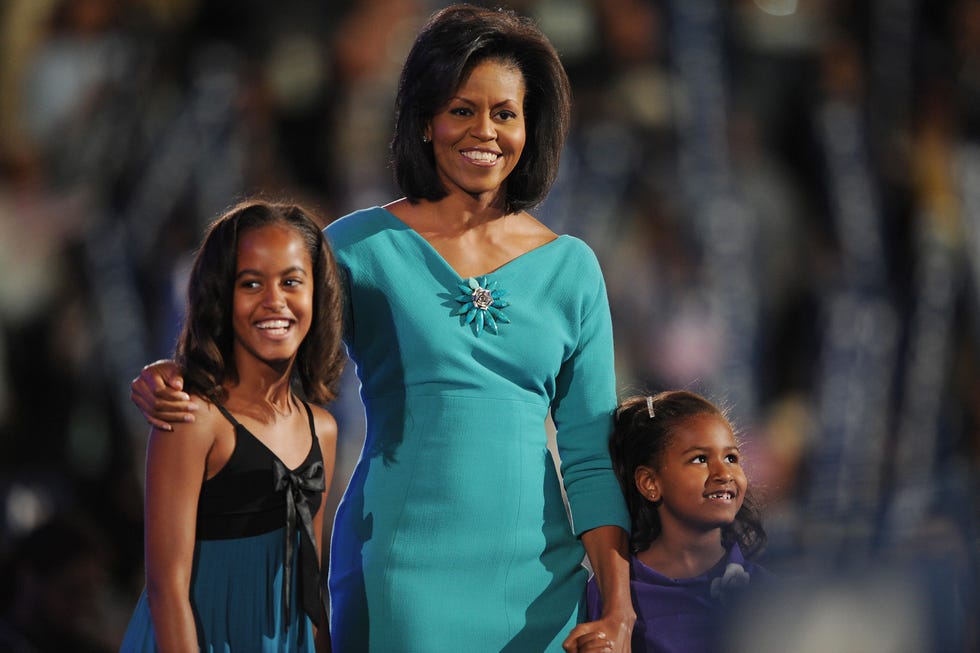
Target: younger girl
x,y
693,523
233,515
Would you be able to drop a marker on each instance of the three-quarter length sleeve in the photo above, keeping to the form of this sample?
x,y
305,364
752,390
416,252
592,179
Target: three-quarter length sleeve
x,y
585,400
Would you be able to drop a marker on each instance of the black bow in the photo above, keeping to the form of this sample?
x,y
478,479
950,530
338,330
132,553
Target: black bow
x,y
295,485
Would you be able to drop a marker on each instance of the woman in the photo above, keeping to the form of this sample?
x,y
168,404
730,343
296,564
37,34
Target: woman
x,y
468,321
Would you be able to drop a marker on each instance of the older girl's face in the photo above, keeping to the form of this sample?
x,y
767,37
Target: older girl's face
x,y
479,134
273,298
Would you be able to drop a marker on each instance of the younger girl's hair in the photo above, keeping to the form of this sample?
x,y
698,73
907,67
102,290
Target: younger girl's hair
x,y
205,346
644,427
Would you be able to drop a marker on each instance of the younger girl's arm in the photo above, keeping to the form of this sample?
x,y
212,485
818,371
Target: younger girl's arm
x,y
326,432
175,469
158,392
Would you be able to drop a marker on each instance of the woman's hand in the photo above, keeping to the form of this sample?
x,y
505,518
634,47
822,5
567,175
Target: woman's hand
x,y
611,634
159,394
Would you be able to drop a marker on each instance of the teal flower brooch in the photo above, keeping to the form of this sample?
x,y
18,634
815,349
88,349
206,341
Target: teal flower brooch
x,y
481,305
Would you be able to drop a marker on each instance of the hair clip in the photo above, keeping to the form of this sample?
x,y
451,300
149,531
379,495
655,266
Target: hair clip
x,y
650,406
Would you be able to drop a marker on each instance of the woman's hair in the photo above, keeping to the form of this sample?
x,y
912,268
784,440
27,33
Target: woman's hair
x,y
205,345
641,439
448,47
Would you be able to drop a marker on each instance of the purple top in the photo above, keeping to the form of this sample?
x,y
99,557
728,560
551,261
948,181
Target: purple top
x,y
680,616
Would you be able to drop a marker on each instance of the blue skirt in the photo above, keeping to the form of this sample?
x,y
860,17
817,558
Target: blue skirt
x,y
236,595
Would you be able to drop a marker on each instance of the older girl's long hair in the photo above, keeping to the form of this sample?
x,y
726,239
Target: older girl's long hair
x,y
205,346
640,439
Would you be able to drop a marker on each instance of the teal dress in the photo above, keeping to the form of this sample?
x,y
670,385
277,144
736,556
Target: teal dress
x,y
453,534
255,582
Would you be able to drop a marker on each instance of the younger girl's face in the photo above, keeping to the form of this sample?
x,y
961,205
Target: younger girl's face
x,y
701,484
273,298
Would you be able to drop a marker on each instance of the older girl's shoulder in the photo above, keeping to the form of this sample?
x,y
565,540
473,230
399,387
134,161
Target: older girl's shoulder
x,y
324,424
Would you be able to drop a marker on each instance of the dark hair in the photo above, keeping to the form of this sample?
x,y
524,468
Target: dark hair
x,y
204,349
449,46
639,439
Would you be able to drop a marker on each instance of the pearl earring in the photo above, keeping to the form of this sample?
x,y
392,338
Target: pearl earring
x,y
425,139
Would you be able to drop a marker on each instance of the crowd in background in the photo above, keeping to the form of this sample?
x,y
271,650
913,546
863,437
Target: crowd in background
x,y
784,196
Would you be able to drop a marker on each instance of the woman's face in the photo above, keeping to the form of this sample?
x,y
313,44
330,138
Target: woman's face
x,y
478,135
273,298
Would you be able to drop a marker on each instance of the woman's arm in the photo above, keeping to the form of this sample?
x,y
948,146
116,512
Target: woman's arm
x,y
175,469
608,551
326,432
585,400
159,394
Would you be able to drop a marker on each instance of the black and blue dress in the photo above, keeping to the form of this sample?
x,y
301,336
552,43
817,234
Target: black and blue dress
x,y
256,580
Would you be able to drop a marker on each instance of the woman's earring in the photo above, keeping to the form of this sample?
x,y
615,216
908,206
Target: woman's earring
x,y
425,139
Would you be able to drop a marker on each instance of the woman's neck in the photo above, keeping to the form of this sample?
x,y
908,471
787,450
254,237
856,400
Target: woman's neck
x,y
449,217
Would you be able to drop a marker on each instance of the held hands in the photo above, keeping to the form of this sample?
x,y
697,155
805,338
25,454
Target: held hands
x,y
159,394
611,633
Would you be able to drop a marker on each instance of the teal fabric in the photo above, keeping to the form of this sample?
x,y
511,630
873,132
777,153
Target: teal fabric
x,y
235,591
453,534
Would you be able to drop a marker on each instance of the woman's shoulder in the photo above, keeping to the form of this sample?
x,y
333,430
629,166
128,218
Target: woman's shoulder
x,y
578,248
569,245
355,225
575,264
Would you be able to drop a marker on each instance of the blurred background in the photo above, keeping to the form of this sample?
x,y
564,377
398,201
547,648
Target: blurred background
x,y
784,196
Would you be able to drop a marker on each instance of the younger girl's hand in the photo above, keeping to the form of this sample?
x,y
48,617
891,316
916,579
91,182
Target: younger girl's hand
x,y
159,394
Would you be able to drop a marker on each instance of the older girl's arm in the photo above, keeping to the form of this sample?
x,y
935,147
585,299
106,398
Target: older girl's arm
x,y
175,469
326,432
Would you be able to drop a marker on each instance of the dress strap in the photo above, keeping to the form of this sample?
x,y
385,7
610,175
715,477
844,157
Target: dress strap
x,y
229,416
309,414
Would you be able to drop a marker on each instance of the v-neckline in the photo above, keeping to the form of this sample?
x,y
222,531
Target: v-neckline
x,y
442,259
237,424
272,453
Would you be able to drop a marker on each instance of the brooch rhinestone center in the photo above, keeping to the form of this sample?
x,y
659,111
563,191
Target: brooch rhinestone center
x,y
481,304
482,298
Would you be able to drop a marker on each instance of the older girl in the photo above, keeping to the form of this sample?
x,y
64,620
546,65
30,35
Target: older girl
x,y
233,499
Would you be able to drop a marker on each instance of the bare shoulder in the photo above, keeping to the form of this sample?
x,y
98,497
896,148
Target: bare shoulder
x,y
533,225
532,231
325,425
207,422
